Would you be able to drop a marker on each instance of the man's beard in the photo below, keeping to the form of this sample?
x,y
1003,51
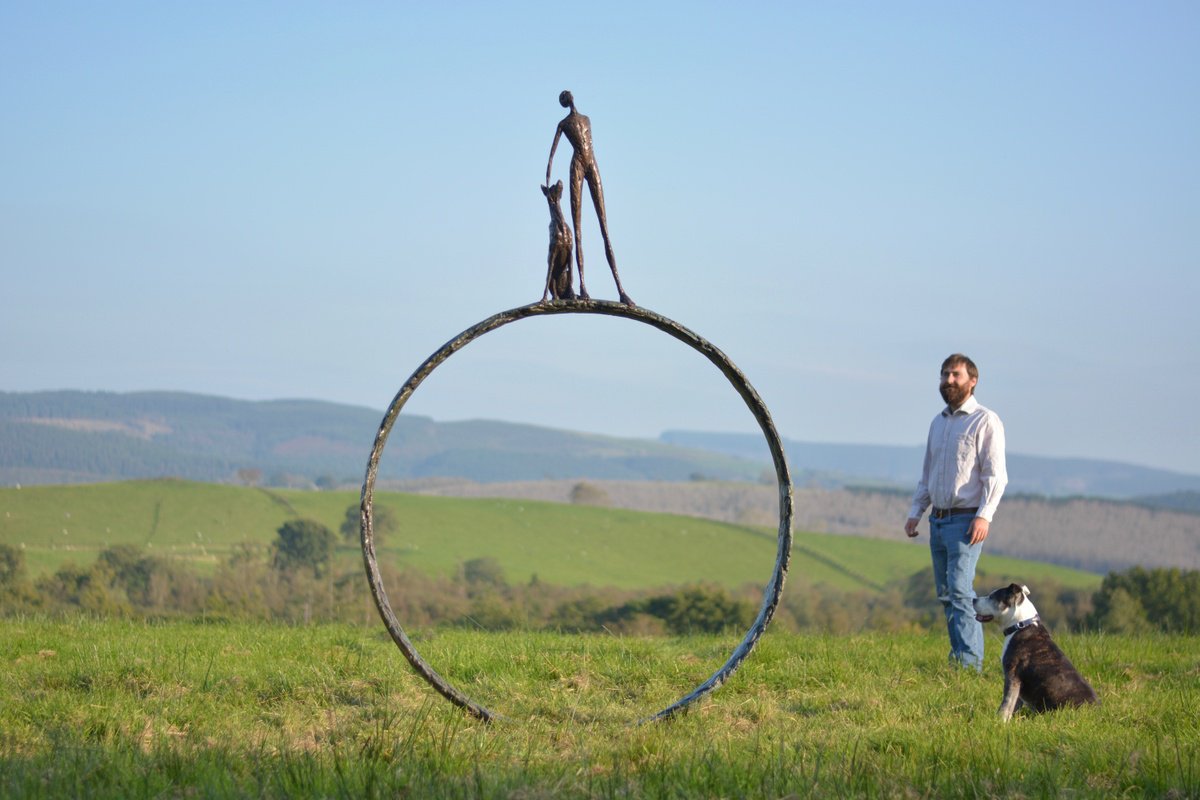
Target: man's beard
x,y
955,396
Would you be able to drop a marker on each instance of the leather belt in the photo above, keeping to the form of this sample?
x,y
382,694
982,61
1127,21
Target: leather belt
x,y
942,513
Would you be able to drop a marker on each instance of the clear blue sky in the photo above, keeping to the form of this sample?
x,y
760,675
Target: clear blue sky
x,y
275,200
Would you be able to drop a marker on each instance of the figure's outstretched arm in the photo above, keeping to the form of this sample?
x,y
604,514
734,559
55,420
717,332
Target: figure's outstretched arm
x,y
553,147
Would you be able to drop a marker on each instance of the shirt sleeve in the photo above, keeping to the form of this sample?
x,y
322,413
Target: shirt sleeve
x,y
921,497
993,473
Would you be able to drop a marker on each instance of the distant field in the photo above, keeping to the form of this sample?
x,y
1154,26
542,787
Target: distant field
x,y
199,524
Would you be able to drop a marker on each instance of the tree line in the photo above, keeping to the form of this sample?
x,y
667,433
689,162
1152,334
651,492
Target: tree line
x,y
293,581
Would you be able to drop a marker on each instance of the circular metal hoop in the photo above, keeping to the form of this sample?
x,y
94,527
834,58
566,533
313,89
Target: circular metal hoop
x,y
774,588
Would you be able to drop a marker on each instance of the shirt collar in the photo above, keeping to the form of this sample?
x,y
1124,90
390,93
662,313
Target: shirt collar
x,y
968,406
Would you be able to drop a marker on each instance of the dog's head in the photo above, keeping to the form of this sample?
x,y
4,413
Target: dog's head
x,y
1005,605
553,193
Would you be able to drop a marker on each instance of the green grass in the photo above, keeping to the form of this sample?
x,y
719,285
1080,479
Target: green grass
x,y
199,524
193,522
853,562
130,710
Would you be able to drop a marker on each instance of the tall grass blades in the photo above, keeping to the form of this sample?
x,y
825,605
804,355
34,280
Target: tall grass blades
x,y
132,710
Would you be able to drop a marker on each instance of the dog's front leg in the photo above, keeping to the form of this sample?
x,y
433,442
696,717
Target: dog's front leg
x,y
1012,698
549,273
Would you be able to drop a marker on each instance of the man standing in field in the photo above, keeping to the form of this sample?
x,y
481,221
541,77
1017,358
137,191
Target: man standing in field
x,y
963,477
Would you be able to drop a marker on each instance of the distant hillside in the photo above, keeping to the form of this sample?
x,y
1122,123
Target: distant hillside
x,y
81,437
836,465
1175,501
86,437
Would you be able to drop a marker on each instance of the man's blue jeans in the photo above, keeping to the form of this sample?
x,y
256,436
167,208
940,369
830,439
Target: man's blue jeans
x,y
954,560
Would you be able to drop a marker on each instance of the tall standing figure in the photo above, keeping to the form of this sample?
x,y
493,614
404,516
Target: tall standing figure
x,y
578,130
963,478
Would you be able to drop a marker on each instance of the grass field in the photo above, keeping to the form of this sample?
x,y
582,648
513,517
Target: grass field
x,y
198,524
135,710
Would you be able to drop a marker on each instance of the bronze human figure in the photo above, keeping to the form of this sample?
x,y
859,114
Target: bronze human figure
x,y
558,259
578,130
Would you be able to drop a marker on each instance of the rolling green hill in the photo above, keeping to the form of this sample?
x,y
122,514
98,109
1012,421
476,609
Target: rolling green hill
x,y
199,524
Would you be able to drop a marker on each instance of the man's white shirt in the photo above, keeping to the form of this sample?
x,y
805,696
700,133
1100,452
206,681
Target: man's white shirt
x,y
964,462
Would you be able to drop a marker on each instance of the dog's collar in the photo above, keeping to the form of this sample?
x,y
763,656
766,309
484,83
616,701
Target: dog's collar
x,y
1025,623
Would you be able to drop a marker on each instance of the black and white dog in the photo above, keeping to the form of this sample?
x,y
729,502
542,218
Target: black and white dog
x,y
1036,672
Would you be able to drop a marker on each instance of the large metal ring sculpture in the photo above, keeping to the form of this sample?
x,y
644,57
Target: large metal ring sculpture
x,y
773,589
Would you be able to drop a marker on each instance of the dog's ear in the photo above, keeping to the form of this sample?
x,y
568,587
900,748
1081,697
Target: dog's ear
x,y
1025,590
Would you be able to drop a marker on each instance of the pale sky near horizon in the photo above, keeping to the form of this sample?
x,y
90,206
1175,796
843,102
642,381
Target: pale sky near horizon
x,y
305,200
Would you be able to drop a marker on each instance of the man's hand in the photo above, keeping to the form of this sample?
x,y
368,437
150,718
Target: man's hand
x,y
910,527
978,530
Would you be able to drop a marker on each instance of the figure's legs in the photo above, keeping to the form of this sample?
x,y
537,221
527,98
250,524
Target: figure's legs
x,y
576,214
954,560
597,190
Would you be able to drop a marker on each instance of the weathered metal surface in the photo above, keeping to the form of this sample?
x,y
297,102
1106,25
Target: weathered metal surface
x,y
771,593
558,257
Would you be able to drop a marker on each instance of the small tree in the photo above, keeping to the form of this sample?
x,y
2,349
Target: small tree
x,y
249,476
692,609
303,543
383,522
484,573
1121,612
12,565
15,589
131,569
93,589
589,494
1167,599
